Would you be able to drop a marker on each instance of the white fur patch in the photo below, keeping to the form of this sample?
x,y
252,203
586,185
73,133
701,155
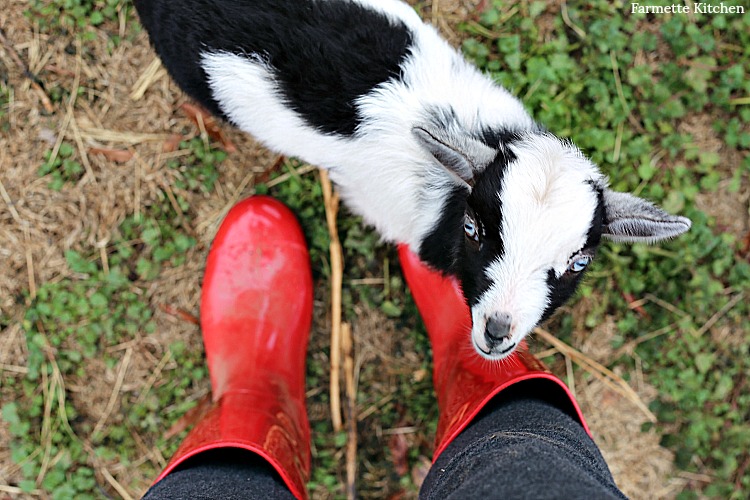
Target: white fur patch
x,y
547,208
382,172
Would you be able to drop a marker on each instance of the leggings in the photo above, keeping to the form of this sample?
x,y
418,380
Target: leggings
x,y
517,447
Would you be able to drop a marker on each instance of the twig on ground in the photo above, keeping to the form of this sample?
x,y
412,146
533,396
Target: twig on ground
x,y
665,305
115,484
124,137
721,312
201,124
367,281
630,346
140,167
621,94
566,19
103,256
351,411
180,314
285,177
82,149
60,137
266,174
48,392
29,263
598,370
167,188
618,143
115,391
69,110
8,201
21,370
547,353
14,490
208,126
696,476
147,78
152,379
570,376
375,407
331,200
150,454
74,125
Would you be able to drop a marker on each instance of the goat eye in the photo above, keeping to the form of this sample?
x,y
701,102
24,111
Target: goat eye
x,y
470,228
579,264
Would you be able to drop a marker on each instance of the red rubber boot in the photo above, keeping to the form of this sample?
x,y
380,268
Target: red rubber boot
x,y
256,310
464,381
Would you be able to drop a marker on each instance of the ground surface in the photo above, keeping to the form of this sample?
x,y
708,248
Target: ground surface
x,y
106,219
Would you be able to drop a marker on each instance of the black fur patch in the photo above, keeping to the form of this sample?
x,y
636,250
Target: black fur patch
x,y
562,288
594,235
486,204
326,53
446,247
442,247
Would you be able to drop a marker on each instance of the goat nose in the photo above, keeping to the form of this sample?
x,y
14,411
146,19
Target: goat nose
x,y
498,327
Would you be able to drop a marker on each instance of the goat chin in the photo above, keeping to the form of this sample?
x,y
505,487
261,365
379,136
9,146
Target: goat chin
x,y
428,150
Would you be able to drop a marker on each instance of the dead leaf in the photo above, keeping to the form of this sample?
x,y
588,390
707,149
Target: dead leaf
x,y
635,305
745,250
172,143
58,70
116,155
180,314
192,416
199,115
266,174
399,451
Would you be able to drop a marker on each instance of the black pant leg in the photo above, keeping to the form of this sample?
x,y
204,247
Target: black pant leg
x,y
522,446
223,474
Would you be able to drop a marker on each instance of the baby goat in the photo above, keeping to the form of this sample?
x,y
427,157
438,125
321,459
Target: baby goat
x,y
421,144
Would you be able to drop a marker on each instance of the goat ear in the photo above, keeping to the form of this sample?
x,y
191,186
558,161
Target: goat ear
x,y
630,219
457,151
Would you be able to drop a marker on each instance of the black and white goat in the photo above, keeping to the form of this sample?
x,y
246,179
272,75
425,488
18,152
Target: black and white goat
x,y
431,152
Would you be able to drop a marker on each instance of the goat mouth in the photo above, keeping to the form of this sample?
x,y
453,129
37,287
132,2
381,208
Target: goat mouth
x,y
486,353
496,355
510,348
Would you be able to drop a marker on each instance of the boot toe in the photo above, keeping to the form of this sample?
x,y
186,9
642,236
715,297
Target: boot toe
x,y
256,306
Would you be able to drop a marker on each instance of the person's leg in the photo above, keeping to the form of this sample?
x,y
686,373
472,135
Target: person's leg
x,y
502,425
227,474
521,445
256,309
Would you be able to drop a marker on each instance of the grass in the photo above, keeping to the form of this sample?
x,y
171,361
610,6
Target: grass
x,y
641,95
61,168
87,316
80,16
